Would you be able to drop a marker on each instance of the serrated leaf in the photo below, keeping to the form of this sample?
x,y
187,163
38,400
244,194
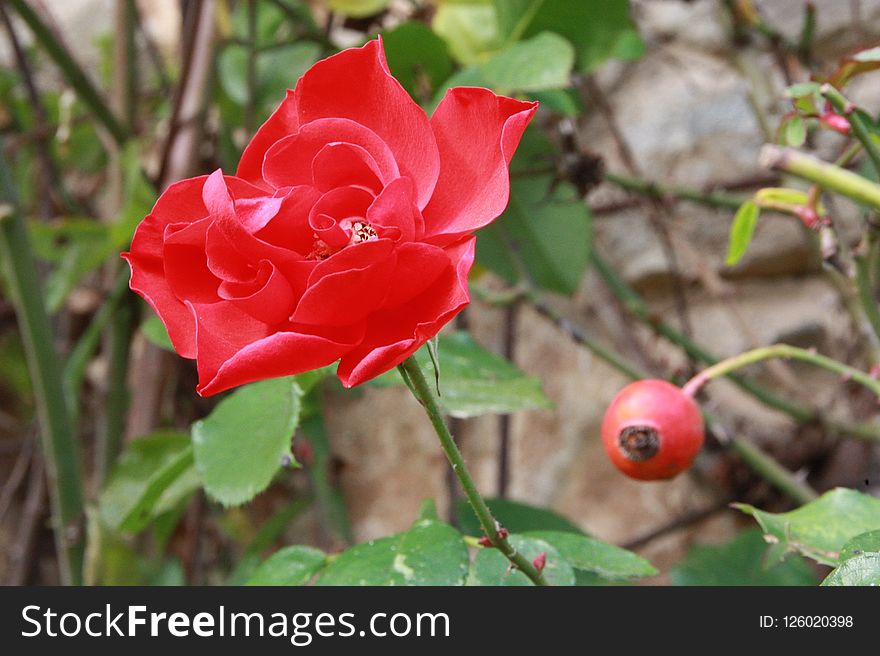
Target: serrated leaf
x,y
516,517
476,381
739,562
864,542
490,567
537,64
430,553
821,528
289,566
863,569
241,444
589,554
741,231
152,476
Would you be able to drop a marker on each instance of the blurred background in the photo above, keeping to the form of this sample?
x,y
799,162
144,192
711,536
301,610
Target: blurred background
x,y
685,96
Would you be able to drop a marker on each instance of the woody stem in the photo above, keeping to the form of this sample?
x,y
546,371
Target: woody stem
x,y
412,371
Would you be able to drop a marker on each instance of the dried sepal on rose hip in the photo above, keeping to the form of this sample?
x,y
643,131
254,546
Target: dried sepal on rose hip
x,y
652,430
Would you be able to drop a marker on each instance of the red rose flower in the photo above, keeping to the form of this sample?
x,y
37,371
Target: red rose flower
x,y
346,233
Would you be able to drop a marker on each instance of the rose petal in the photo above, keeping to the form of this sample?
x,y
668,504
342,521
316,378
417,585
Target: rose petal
x,y
356,84
268,298
342,164
289,228
235,349
417,267
186,267
477,133
284,121
348,286
395,334
395,207
289,162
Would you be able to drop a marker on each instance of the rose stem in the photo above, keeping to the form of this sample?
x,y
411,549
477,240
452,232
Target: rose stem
x,y
411,370
57,434
828,176
784,351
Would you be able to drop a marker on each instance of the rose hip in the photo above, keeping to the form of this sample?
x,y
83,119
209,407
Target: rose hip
x,y
652,430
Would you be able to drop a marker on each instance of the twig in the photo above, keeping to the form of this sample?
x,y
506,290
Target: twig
x,y
16,476
667,193
509,350
683,521
32,512
656,210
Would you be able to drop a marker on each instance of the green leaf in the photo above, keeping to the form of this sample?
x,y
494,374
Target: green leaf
x,y
430,553
821,528
803,90
794,132
155,331
544,230
476,381
428,510
860,544
277,68
470,31
585,553
741,231
289,566
490,567
241,444
739,562
516,517
151,477
418,58
76,247
858,570
598,29
542,62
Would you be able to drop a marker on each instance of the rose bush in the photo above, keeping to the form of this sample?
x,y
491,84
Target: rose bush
x,y
346,233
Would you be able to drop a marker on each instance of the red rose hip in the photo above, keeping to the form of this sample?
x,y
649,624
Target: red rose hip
x,y
652,430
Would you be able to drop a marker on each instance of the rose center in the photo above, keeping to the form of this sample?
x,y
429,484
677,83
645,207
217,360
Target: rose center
x,y
356,229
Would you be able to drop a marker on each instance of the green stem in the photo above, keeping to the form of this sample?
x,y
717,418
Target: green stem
x,y
786,352
828,176
422,391
75,75
772,472
57,431
657,190
860,130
